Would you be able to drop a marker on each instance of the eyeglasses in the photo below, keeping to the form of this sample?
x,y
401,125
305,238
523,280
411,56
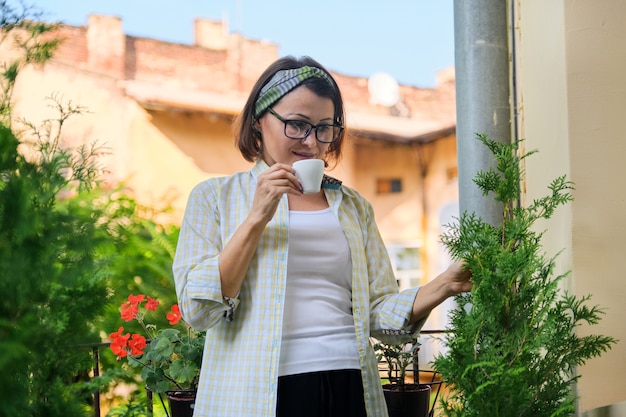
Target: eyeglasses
x,y
299,129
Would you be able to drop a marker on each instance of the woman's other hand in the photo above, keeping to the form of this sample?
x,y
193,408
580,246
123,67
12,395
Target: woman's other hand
x,y
458,278
455,280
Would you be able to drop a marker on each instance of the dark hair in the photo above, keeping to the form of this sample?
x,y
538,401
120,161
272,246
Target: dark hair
x,y
248,138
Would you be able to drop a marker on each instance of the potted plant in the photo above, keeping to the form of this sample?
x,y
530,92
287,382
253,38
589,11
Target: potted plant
x,y
513,348
403,399
169,358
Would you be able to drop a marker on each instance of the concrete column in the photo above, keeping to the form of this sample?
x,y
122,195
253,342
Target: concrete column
x,y
482,95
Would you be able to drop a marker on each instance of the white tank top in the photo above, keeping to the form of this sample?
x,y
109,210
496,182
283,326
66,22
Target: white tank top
x,y
318,326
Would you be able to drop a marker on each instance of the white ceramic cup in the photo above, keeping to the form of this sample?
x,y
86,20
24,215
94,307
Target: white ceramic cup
x,y
309,172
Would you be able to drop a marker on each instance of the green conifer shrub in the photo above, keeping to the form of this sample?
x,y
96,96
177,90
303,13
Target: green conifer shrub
x,y
70,250
513,348
52,286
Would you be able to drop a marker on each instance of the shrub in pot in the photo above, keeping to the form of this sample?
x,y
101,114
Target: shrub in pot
x,y
403,399
513,348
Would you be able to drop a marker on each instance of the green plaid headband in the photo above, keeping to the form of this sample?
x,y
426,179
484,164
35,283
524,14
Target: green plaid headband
x,y
283,82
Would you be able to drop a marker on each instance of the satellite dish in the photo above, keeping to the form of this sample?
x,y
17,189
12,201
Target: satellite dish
x,y
383,89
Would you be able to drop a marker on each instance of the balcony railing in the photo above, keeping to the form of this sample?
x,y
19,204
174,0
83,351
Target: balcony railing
x,y
95,353
433,378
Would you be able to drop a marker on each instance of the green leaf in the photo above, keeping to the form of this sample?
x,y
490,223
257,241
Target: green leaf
x,y
183,371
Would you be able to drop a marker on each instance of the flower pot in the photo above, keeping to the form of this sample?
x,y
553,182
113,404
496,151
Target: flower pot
x,y
181,402
409,400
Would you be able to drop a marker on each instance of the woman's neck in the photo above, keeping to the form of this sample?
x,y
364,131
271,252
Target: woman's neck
x,y
308,202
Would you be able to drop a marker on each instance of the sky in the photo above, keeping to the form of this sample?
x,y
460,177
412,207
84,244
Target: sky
x,y
411,40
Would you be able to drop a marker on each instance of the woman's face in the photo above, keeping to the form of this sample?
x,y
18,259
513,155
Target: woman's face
x,y
299,104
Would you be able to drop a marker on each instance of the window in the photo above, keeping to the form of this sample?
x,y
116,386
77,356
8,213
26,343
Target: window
x,y
406,263
388,185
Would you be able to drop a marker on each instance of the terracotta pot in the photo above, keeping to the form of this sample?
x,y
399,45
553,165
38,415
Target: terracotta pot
x,y
409,400
181,402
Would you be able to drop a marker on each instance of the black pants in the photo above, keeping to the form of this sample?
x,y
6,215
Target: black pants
x,y
321,394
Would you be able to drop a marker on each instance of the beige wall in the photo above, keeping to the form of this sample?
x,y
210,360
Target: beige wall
x,y
429,180
136,151
398,214
198,141
572,61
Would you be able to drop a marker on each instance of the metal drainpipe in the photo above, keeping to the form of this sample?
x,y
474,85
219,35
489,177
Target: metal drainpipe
x,y
483,102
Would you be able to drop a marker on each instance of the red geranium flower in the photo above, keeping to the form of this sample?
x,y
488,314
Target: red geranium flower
x,y
174,316
167,358
152,304
116,334
137,344
129,311
136,299
119,343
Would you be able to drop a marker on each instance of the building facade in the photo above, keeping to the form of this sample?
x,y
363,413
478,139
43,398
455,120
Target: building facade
x,y
163,111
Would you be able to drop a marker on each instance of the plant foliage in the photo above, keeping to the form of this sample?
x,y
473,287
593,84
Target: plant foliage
x,y
398,357
513,349
52,283
66,245
170,357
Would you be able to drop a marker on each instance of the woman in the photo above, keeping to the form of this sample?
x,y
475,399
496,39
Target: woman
x,y
290,286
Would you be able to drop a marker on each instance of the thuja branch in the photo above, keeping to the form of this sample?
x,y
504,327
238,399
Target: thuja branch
x,y
512,346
